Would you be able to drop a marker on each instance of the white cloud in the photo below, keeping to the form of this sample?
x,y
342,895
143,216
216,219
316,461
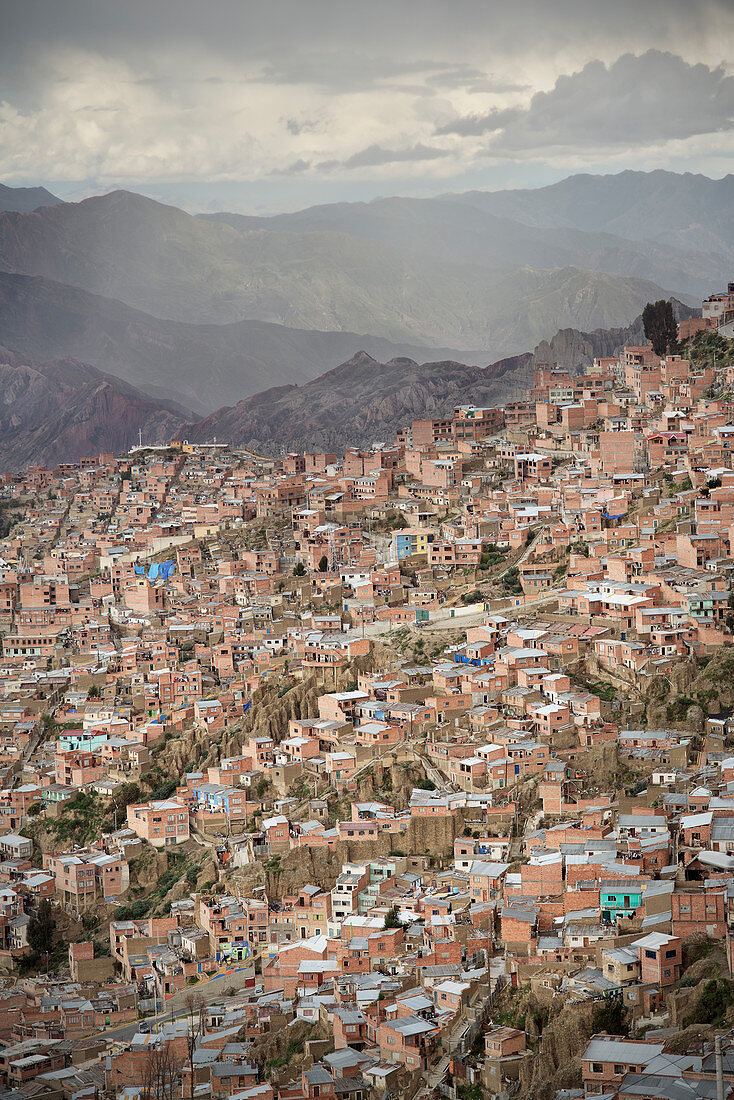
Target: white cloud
x,y
414,92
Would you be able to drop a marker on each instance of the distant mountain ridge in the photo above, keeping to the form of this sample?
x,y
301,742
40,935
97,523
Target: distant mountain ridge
x,y
685,210
466,229
167,263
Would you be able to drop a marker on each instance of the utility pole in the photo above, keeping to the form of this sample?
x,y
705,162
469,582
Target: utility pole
x,y
719,1068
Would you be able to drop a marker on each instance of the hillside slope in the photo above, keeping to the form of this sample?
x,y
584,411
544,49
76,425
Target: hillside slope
x,y
688,211
470,232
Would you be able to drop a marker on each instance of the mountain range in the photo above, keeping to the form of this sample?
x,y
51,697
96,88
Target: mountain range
x,y
685,210
167,263
467,229
25,199
213,310
359,402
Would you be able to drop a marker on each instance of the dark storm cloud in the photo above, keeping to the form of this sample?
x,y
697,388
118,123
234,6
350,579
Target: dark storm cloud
x,y
651,98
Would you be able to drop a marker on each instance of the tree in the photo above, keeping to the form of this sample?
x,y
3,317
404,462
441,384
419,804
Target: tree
x,y
660,326
160,1074
299,570
511,581
323,563
93,692
41,928
392,920
194,1010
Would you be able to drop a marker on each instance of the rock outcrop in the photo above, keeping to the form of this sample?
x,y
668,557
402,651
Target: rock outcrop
x,y
360,401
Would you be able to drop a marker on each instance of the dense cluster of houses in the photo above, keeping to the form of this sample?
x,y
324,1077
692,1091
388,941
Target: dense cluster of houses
x,y
483,608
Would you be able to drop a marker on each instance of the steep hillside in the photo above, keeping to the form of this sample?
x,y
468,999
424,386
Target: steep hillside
x,y
161,260
361,401
203,366
62,410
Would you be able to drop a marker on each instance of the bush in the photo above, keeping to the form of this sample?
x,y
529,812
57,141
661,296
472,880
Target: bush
x,y
511,581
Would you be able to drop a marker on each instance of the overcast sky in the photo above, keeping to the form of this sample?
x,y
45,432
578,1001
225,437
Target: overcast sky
x,y
274,104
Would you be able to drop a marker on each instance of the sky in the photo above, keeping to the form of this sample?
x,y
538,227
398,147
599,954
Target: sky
x,y
276,105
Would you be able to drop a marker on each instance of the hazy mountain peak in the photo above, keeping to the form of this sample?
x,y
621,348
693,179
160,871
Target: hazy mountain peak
x,y
24,200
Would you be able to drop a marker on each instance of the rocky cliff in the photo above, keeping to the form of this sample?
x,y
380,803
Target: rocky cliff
x,y
572,349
